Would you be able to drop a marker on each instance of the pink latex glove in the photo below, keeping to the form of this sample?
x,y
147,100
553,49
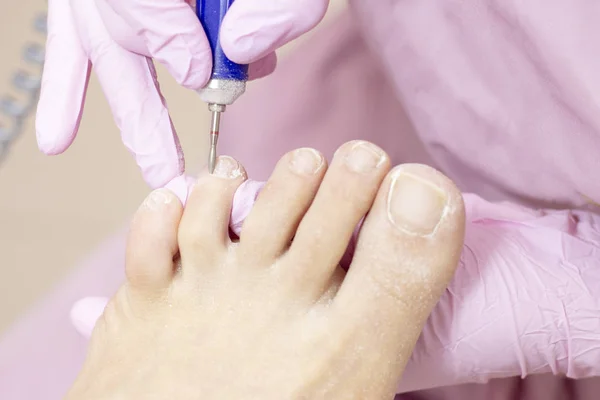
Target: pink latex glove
x,y
524,299
118,37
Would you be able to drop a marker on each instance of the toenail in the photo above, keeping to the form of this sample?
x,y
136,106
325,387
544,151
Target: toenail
x,y
158,198
228,168
306,161
415,205
364,157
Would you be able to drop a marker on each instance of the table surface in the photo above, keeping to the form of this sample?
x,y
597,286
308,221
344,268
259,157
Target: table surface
x,y
54,210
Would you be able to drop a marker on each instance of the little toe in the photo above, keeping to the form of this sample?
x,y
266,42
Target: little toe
x,y
152,242
407,251
344,197
273,221
204,229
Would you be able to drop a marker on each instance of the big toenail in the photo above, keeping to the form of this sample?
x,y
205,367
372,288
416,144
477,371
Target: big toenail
x,y
415,205
158,198
228,168
364,157
306,161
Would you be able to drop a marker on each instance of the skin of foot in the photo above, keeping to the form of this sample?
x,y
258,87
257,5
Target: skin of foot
x,y
272,315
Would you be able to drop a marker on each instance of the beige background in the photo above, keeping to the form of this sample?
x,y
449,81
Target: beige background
x,y
53,210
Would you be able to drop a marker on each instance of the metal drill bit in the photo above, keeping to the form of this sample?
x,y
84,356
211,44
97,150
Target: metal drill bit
x,y
214,138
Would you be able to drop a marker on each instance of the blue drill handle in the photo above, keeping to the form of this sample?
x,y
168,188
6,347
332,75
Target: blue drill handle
x,y
211,14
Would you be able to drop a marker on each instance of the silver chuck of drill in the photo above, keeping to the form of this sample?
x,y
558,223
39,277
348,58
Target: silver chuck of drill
x,y
219,93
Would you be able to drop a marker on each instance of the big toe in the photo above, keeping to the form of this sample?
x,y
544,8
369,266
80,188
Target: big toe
x,y
407,252
152,243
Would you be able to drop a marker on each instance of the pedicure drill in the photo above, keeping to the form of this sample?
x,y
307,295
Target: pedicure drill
x,y
228,79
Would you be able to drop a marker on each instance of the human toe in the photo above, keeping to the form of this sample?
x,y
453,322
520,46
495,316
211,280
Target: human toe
x,y
152,242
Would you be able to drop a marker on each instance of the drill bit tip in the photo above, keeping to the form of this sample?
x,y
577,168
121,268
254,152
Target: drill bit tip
x,y
214,137
212,154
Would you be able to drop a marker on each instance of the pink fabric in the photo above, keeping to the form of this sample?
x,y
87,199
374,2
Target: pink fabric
x,y
504,94
498,95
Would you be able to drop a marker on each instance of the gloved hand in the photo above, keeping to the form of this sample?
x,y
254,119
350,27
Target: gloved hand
x,y
118,36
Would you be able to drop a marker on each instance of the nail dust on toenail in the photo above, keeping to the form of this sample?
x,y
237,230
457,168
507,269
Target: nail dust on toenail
x,y
158,198
415,205
364,157
306,161
227,167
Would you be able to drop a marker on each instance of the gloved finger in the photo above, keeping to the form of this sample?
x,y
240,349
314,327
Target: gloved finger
x,y
254,28
171,33
120,31
85,313
64,82
181,185
130,84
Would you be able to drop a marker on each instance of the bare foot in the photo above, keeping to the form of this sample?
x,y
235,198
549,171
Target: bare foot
x,y
274,316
